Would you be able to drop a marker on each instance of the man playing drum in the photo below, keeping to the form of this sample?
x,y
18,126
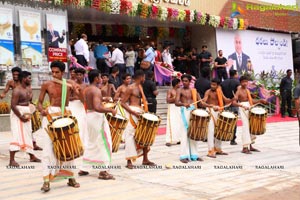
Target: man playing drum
x,y
12,84
108,90
173,134
213,100
122,88
244,101
52,167
133,96
186,99
98,150
120,94
76,104
20,120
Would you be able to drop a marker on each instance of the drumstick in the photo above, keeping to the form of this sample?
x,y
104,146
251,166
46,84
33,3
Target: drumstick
x,y
197,101
118,102
60,82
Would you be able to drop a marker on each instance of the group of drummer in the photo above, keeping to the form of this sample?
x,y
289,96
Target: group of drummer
x,y
186,124
89,121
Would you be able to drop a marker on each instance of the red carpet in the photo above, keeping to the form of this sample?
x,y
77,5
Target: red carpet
x,y
271,119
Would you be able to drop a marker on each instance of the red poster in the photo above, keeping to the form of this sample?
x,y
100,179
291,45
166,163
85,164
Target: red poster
x,y
57,54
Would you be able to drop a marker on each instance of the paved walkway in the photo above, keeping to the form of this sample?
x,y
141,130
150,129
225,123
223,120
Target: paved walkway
x,y
233,177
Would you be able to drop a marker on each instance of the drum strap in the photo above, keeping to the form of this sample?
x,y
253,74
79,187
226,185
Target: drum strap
x,y
220,98
249,97
143,99
132,122
185,122
194,96
63,96
121,109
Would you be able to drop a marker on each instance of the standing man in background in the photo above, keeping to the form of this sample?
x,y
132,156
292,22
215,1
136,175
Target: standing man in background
x,y
220,65
82,51
150,92
99,54
11,84
286,93
205,59
117,59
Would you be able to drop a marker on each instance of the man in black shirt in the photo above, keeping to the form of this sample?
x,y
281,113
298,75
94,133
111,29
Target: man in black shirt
x,y
205,58
114,77
202,83
150,92
194,63
220,65
286,93
229,87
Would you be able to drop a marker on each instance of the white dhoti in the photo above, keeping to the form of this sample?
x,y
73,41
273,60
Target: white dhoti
x,y
172,133
132,152
52,167
21,131
247,138
188,147
78,111
98,150
212,142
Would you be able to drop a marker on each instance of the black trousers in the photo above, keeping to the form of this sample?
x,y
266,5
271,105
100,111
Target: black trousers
x,y
222,74
81,60
102,66
195,71
286,99
152,104
235,110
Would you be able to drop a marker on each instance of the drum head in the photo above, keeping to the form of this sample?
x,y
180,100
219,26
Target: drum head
x,y
118,116
227,114
258,110
150,117
62,122
200,112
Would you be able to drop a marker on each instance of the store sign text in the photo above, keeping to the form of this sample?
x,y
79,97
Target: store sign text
x,y
178,2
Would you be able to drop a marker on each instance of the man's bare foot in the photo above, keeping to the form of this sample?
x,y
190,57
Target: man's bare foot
x,y
83,173
199,159
34,159
246,150
184,160
46,187
253,149
36,147
106,176
168,144
148,162
72,183
13,163
129,164
221,153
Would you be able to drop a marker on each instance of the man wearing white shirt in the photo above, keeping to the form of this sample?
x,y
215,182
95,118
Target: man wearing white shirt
x,y
117,59
166,55
82,50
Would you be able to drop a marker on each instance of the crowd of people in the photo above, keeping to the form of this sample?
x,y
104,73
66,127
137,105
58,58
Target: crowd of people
x,y
130,58
133,96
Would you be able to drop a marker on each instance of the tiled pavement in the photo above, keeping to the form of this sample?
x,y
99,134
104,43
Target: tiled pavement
x,y
279,146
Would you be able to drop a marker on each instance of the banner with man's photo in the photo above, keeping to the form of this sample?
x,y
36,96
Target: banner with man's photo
x,y
6,39
255,50
31,42
56,37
